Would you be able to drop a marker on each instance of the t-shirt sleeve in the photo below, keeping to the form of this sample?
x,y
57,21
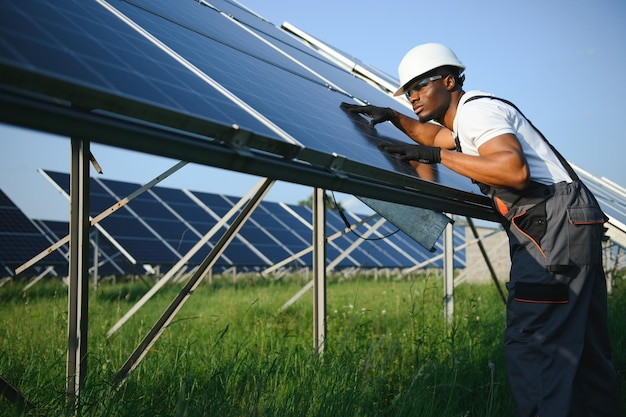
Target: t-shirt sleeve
x,y
483,120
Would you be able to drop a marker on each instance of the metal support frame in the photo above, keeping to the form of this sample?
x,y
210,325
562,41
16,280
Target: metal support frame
x,y
96,220
448,273
14,395
96,259
334,236
311,167
266,158
319,271
185,259
52,237
346,252
331,265
78,292
171,311
38,278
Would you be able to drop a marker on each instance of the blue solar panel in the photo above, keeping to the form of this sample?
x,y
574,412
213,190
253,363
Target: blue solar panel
x,y
154,234
186,209
270,74
20,239
81,42
215,202
296,98
111,262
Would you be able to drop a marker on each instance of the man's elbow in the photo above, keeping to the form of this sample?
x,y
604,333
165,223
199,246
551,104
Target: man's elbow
x,y
520,178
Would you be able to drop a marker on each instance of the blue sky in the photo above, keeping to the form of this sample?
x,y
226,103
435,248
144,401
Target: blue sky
x,y
561,62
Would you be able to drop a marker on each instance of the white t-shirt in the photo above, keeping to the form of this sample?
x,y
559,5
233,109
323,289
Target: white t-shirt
x,y
483,119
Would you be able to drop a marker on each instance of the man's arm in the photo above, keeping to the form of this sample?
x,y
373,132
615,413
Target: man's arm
x,y
429,134
500,163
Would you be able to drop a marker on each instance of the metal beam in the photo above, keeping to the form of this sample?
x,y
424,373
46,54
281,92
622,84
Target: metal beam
x,y
103,215
78,290
185,259
166,318
312,168
448,272
319,271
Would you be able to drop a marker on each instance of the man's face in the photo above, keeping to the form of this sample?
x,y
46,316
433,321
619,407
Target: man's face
x,y
429,97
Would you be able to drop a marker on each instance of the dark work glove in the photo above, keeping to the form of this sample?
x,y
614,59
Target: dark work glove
x,y
378,114
408,152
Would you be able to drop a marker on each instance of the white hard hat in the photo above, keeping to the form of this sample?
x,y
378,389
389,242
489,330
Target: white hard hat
x,y
422,59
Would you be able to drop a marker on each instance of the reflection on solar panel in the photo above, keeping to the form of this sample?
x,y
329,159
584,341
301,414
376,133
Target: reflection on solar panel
x,y
163,224
20,240
188,64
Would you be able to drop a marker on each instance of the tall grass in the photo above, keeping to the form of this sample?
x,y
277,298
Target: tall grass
x,y
229,352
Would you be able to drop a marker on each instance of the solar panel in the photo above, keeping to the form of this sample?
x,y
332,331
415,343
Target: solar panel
x,y
163,224
300,92
110,261
214,61
182,63
83,43
20,239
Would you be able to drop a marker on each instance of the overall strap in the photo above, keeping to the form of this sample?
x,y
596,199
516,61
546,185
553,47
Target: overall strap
x,y
560,157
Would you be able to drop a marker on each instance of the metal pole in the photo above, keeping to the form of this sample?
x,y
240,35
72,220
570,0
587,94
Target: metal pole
x,y
448,272
319,271
78,291
96,258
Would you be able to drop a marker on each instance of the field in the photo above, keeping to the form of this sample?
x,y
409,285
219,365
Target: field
x,y
229,352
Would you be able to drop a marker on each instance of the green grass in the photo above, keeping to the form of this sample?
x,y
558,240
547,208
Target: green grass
x,y
229,352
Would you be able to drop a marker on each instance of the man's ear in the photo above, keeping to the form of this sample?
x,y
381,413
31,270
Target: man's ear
x,y
450,82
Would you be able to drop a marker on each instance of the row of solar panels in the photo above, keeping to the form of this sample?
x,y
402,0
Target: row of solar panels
x,y
214,61
193,64
160,226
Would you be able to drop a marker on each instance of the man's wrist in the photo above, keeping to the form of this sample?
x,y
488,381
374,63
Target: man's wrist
x,y
392,115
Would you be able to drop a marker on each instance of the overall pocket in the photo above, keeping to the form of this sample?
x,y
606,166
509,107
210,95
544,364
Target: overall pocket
x,y
532,223
584,233
575,231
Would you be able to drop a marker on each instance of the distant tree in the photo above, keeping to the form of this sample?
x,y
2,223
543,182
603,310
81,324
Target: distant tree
x,y
329,203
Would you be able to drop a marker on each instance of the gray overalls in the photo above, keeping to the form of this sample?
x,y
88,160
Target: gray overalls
x,y
556,344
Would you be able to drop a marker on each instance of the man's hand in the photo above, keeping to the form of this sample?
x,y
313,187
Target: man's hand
x,y
408,152
378,114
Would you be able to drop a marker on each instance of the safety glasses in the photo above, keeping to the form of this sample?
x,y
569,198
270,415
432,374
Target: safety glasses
x,y
421,84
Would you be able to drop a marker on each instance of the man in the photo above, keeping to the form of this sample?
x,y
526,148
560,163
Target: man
x,y
556,342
